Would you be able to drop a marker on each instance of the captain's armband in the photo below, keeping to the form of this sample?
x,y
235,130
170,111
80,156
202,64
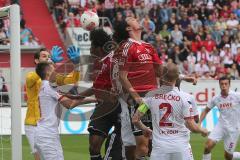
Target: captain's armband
x,y
143,108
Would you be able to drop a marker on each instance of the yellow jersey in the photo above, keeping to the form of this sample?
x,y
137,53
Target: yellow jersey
x,y
33,84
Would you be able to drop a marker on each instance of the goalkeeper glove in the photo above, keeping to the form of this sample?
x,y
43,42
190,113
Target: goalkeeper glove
x,y
73,54
56,54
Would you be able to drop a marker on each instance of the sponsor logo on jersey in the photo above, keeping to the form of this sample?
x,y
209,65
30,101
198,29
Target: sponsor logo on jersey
x,y
225,105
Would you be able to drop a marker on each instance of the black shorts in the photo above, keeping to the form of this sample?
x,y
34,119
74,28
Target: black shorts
x,y
102,120
146,119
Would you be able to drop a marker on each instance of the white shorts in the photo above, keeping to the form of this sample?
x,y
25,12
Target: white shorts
x,y
30,132
184,154
128,138
49,148
229,138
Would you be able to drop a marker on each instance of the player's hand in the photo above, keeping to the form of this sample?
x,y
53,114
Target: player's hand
x,y
204,132
194,82
147,132
56,54
73,54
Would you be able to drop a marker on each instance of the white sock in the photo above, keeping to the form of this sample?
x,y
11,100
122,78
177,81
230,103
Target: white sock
x,y
207,156
236,155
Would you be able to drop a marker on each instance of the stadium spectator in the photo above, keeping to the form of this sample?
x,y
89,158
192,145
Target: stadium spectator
x,y
141,11
164,34
164,13
72,20
172,22
195,23
186,68
3,90
177,35
237,60
118,18
203,54
59,9
25,32
216,34
225,12
31,42
184,22
109,7
206,76
191,59
212,69
209,44
4,40
234,71
154,13
227,56
201,68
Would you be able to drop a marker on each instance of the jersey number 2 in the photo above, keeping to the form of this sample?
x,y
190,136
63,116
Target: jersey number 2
x,y
164,121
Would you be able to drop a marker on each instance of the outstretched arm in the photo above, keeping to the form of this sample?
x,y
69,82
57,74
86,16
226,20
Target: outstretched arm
x,y
69,103
203,114
192,126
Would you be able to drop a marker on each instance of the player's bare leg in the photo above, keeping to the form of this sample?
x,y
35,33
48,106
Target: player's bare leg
x,y
36,156
228,156
95,143
130,152
209,145
141,147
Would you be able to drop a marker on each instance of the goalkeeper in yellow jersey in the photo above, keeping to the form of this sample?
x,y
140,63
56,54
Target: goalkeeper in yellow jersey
x,y
33,83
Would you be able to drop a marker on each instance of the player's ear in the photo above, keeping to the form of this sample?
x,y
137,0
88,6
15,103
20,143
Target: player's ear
x,y
128,28
36,61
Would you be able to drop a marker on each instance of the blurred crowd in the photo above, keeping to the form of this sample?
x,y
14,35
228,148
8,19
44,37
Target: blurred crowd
x,y
27,36
201,36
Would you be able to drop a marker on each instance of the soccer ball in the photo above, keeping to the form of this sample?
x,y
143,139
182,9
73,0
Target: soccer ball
x,y
89,20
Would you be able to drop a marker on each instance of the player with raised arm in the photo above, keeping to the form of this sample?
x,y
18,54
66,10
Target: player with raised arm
x,y
136,68
171,118
33,83
46,137
108,109
227,128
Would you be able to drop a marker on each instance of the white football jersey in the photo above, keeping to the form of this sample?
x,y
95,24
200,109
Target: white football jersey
x,y
169,109
50,110
191,100
229,108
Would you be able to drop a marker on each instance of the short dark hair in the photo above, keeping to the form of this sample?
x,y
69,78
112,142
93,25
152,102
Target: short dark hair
x,y
224,78
99,37
41,69
37,54
120,32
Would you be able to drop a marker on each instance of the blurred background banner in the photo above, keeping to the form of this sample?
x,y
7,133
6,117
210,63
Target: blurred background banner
x,y
76,121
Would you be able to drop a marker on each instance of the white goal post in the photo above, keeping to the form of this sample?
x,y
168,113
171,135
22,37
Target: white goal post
x,y
15,64
13,11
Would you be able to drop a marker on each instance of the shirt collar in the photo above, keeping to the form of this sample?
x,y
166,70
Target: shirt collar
x,y
135,41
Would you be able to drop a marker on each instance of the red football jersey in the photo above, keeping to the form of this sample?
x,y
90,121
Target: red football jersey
x,y
103,82
137,58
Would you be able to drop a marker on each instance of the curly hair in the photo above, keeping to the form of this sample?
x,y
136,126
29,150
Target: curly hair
x,y
99,37
120,32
